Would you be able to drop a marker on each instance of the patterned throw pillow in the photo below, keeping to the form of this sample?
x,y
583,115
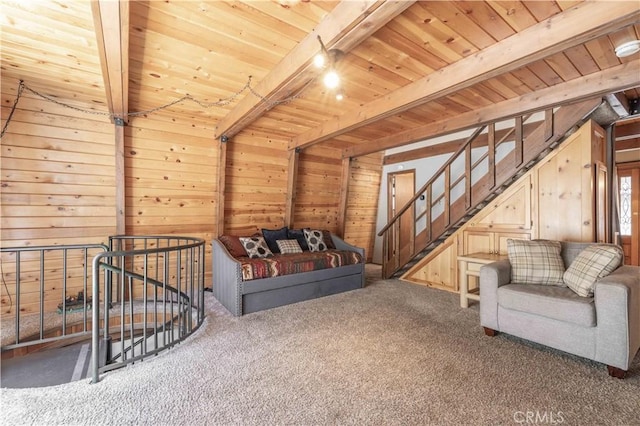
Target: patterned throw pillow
x,y
315,241
594,262
535,262
256,247
289,246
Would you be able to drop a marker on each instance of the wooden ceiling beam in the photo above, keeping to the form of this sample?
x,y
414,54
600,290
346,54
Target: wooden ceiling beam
x,y
348,24
586,21
611,80
111,21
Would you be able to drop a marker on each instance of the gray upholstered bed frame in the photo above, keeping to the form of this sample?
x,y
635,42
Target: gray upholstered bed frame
x,y
241,297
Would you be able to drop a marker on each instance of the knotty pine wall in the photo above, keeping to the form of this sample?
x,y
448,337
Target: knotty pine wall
x,y
255,183
256,188
171,169
58,187
318,189
362,205
58,174
59,182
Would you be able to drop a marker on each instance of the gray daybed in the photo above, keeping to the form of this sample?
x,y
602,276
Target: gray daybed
x,y
243,297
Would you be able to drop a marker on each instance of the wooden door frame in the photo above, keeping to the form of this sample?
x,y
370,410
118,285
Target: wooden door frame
x,y
634,168
390,176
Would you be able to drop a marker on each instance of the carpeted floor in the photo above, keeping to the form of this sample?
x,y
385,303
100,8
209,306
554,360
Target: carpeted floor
x,y
392,353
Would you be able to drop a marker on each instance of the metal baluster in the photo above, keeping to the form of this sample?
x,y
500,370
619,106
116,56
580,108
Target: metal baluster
x,y
18,297
131,317
64,291
42,294
123,355
144,301
84,288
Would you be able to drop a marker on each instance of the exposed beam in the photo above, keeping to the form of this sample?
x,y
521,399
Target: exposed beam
x,y
344,196
348,24
613,79
120,199
222,181
585,21
111,21
292,187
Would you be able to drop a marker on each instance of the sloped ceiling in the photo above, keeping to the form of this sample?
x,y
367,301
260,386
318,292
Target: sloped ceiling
x,y
407,65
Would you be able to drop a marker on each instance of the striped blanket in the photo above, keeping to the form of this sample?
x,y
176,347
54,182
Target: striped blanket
x,y
285,264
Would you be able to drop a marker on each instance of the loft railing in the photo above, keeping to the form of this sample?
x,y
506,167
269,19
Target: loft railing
x,y
146,294
476,172
44,291
153,298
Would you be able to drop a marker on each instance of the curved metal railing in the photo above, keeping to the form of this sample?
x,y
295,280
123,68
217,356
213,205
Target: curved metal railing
x,y
153,298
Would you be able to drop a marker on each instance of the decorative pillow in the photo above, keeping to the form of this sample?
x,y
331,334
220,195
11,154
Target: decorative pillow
x,y
594,262
233,245
535,262
326,237
256,247
271,236
298,234
289,246
315,239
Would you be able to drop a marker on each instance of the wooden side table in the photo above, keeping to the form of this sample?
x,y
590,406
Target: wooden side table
x,y
470,265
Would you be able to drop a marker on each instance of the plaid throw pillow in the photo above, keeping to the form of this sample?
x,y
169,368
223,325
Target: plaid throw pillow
x,y
594,262
289,246
535,262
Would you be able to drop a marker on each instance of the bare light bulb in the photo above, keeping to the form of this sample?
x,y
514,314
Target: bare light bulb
x,y
331,79
319,60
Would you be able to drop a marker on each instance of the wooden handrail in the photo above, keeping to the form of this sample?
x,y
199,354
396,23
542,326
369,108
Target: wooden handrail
x,y
519,120
433,179
455,209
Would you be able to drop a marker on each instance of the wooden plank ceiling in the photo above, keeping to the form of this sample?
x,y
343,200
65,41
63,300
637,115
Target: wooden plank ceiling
x,y
210,49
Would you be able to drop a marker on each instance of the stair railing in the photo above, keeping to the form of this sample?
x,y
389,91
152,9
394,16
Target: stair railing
x,y
452,196
153,298
391,248
42,284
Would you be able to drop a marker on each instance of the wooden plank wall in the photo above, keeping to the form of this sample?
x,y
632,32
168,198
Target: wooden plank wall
x,y
318,188
57,174
256,182
256,185
58,186
59,181
362,205
171,168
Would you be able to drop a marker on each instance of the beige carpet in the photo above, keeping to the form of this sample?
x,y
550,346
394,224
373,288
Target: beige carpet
x,y
392,353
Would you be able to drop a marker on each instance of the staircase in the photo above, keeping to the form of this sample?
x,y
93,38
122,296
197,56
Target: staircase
x,y
485,164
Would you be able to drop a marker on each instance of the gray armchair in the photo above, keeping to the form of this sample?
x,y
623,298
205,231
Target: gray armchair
x,y
604,328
